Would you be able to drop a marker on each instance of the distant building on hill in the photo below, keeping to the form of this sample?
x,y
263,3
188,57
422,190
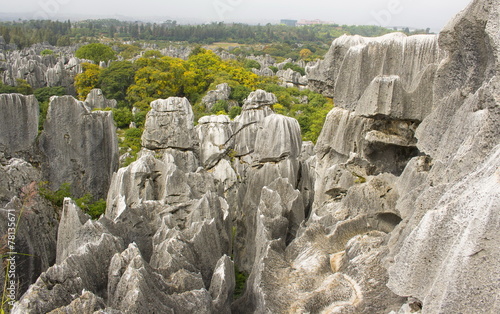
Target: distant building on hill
x,y
312,22
289,22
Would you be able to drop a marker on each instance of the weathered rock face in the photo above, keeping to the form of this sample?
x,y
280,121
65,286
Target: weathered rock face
x,y
257,106
95,99
273,145
169,124
18,124
177,218
462,186
434,249
36,221
270,147
61,284
80,147
386,67
215,133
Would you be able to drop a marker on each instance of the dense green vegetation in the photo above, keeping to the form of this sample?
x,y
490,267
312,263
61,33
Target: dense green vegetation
x,y
27,33
154,76
302,39
96,52
43,96
22,87
95,208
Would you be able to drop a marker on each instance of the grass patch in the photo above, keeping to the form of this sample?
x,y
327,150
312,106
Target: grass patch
x,y
94,208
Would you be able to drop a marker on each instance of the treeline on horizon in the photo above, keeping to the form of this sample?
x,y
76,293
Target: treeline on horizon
x,y
27,33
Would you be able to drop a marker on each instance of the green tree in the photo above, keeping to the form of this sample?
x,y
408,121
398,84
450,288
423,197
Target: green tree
x,y
305,53
251,64
96,52
22,87
63,41
239,93
219,107
43,96
152,54
46,52
157,78
87,80
116,79
294,67
122,117
234,111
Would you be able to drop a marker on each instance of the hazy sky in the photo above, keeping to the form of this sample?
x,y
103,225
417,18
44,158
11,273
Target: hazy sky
x,y
411,13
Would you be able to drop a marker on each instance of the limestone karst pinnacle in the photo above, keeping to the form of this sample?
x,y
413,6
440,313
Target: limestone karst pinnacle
x,y
394,210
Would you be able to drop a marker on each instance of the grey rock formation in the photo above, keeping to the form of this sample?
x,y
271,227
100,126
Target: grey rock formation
x,y
96,99
421,107
222,285
87,303
461,183
264,61
259,99
80,147
41,71
291,78
169,124
389,71
394,211
177,52
75,230
278,138
85,269
221,92
35,220
380,145
257,106
215,134
18,124
277,148
263,72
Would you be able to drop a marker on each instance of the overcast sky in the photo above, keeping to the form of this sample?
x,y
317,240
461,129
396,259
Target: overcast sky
x,y
411,13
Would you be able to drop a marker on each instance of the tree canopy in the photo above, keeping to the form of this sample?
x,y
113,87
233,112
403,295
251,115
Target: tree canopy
x,y
96,52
